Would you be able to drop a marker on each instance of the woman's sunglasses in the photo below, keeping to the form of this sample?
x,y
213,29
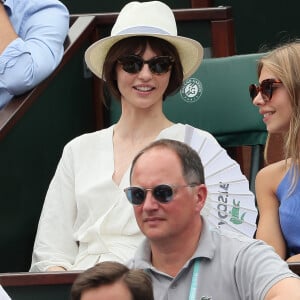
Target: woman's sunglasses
x,y
163,193
266,88
134,63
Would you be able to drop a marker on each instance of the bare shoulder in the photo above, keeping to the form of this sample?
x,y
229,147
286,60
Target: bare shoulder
x,y
276,171
269,177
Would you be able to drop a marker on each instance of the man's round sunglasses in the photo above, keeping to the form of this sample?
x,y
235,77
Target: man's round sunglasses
x,y
163,193
134,63
266,88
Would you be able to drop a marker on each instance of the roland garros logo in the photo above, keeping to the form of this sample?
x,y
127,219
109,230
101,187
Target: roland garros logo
x,y
191,90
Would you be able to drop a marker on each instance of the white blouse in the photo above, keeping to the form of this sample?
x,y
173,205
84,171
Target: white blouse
x,y
86,217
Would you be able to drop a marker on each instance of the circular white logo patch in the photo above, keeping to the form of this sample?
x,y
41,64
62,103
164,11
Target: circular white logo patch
x,y
191,90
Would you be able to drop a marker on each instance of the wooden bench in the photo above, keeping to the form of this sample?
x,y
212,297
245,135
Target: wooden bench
x,y
52,285
41,286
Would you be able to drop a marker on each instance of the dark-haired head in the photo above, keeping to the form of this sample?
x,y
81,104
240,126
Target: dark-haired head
x,y
108,273
137,45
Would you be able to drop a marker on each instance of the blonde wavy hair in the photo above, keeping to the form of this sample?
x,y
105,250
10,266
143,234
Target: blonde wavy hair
x,y
284,63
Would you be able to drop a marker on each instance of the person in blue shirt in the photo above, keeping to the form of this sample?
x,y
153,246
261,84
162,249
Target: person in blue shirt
x,y
32,35
278,184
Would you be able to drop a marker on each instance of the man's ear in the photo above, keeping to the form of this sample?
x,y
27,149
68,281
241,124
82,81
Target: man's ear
x,y
201,194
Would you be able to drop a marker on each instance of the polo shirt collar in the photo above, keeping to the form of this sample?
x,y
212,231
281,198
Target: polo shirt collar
x,y
206,248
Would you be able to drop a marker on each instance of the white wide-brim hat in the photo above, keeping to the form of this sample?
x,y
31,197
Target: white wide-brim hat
x,y
152,18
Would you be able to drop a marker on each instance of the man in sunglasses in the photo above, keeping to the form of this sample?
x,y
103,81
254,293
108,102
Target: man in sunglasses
x,y
185,257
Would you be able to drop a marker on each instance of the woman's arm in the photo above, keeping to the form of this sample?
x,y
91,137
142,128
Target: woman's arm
x,y
268,229
287,288
294,258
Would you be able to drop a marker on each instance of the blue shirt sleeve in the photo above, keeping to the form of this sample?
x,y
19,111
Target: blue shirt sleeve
x,y
38,50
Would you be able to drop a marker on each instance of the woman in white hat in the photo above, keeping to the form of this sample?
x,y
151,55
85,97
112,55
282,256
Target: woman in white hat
x,y
86,218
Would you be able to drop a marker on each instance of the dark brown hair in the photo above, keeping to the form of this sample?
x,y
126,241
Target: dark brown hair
x,y
132,45
137,281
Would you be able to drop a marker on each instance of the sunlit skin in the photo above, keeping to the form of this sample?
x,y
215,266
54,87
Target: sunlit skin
x,y
115,291
173,228
277,112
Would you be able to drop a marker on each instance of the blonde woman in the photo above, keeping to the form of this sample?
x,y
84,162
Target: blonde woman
x,y
277,185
